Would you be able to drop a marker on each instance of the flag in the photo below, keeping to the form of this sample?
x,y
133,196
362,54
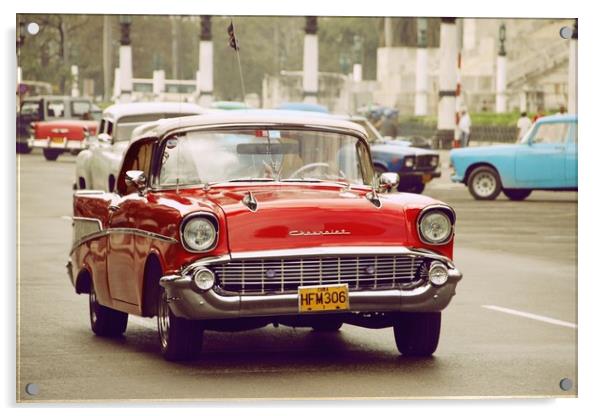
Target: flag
x,y
232,38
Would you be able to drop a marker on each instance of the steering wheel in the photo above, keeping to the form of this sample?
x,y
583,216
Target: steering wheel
x,y
315,165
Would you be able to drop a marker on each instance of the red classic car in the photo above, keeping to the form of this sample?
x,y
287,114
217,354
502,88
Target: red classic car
x,y
238,220
58,136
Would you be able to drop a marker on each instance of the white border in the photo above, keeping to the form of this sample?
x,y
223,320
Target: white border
x,y
590,68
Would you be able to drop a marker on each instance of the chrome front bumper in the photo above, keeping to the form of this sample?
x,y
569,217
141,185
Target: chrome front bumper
x,y
63,144
187,301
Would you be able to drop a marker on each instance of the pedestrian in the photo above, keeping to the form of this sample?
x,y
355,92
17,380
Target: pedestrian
x,y
523,125
539,114
464,126
561,110
389,127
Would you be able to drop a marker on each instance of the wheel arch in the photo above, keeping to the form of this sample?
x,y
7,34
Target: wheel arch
x,y
83,282
153,270
476,165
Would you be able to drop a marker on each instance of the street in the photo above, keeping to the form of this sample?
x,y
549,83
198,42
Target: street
x,y
510,330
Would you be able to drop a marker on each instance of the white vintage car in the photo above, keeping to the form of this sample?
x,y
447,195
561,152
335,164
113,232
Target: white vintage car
x,y
97,166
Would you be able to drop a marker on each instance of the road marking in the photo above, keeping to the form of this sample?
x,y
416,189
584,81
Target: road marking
x,y
145,322
531,316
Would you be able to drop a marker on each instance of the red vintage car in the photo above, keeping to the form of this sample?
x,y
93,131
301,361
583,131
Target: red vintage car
x,y
58,136
238,220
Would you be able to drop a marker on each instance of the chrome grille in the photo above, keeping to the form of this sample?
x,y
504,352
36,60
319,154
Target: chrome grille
x,y
279,275
424,162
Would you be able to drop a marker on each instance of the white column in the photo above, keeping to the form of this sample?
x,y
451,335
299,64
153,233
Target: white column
x,y
310,69
125,73
421,97
205,77
572,104
158,83
448,52
357,72
74,81
500,89
117,84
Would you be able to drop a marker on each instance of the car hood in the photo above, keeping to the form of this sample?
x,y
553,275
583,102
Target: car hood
x,y
480,151
298,217
399,149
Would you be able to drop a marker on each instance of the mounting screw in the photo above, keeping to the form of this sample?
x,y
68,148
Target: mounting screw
x,y
566,384
566,32
32,389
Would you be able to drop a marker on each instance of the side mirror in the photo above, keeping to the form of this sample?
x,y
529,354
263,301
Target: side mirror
x,y
104,138
137,179
388,181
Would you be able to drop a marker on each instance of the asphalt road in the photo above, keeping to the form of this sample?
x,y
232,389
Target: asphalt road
x,y
510,330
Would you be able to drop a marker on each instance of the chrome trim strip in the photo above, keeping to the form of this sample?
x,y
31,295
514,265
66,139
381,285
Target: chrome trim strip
x,y
96,220
122,230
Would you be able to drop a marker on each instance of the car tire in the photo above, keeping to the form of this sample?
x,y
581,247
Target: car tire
x,y
23,148
51,154
417,333
180,339
414,189
327,326
484,183
105,322
517,194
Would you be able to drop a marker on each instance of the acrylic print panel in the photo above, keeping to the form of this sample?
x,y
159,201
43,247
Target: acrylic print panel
x,y
359,207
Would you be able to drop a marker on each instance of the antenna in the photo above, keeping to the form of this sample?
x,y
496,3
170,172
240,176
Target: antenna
x,y
234,45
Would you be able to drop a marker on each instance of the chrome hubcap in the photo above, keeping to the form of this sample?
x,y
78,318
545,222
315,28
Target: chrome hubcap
x,y
163,320
484,184
93,316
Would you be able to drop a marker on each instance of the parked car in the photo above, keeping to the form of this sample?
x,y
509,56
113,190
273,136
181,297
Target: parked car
x,y
233,221
416,167
50,108
414,141
545,159
97,166
59,136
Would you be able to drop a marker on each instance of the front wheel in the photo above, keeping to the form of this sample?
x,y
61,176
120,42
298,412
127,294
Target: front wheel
x,y
484,183
417,333
51,154
105,322
23,148
517,194
181,339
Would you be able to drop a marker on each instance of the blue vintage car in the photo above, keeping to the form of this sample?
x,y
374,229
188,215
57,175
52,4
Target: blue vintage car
x,y
545,159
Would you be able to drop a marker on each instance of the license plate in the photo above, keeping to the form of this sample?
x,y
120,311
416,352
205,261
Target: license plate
x,y
426,178
58,140
323,298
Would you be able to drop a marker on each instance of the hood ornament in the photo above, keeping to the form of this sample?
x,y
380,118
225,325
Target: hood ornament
x,y
250,202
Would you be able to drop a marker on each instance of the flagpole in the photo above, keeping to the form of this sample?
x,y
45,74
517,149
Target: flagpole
x,y
242,82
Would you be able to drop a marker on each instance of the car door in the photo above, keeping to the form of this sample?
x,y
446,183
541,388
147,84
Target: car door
x,y
541,160
125,267
571,157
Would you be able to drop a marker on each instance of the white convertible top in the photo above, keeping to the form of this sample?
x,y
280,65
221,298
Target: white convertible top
x,y
116,111
250,118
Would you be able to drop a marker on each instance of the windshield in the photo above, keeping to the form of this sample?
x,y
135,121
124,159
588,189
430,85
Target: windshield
x,y
206,157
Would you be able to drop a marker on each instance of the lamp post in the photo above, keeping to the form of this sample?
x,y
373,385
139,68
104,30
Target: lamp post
x,y
446,123
421,90
125,60
310,60
205,74
500,90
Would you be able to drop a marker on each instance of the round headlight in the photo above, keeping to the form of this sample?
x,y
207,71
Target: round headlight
x,y
435,227
434,161
199,234
438,273
204,279
409,162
